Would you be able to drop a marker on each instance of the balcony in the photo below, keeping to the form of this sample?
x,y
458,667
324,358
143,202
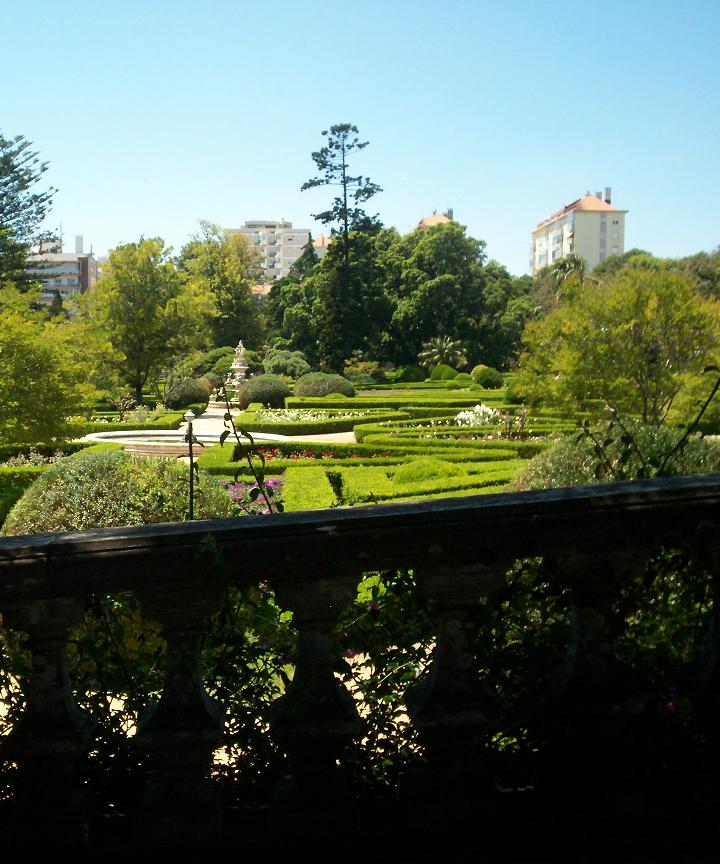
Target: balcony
x,y
618,760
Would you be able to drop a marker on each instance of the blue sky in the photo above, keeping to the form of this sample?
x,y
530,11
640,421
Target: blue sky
x,y
154,115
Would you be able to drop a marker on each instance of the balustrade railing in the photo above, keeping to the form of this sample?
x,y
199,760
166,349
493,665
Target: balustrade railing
x,y
606,737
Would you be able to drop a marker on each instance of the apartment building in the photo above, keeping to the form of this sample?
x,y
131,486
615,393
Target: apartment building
x,y
591,228
70,273
278,243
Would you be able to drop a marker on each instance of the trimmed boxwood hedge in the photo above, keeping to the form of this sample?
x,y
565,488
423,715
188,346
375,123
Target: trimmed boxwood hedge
x,y
307,489
313,427
170,420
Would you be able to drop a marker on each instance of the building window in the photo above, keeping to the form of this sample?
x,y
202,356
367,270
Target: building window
x,y
615,221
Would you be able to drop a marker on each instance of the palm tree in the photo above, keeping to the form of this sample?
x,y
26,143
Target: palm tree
x,y
443,349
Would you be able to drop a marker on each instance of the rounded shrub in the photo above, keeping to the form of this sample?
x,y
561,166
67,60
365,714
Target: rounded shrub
x,y
222,367
516,394
210,380
442,372
476,370
270,390
185,391
282,362
410,374
322,384
463,378
489,378
426,468
111,488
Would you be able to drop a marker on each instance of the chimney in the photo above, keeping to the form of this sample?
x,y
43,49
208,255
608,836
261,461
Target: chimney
x,y
608,196
78,244
598,195
449,213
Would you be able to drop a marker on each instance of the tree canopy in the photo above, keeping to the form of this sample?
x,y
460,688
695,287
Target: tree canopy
x,y
631,342
224,264
22,206
40,380
146,311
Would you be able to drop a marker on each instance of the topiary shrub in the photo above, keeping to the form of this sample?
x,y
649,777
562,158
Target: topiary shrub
x,y
442,372
489,378
210,380
426,468
476,370
112,488
410,374
282,362
516,394
321,384
270,390
184,391
463,378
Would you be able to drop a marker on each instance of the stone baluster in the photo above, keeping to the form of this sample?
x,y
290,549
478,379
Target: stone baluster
x,y
595,727
451,707
181,804
317,716
53,736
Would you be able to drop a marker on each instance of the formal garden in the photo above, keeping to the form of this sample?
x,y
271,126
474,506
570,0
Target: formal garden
x,y
378,619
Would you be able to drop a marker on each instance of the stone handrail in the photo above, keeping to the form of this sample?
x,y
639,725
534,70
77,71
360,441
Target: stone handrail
x,y
459,549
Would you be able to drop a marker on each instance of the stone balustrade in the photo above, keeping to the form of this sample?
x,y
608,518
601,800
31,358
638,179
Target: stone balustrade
x,y
591,539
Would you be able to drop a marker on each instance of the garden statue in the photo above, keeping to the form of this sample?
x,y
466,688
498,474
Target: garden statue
x,y
238,369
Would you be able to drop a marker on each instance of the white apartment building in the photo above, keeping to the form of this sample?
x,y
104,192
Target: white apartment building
x,y
278,243
70,273
590,228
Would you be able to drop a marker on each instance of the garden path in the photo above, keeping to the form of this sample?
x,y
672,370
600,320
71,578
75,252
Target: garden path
x,y
211,423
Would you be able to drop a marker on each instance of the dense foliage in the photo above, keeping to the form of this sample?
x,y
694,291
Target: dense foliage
x,y
614,452
95,490
186,391
268,390
321,384
632,343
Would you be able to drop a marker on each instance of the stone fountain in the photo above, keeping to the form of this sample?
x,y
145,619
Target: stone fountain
x,y
238,372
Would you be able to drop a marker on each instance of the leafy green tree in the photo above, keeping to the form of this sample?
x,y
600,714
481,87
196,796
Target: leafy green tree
x,y
226,265
552,283
632,343
305,263
146,311
22,208
332,161
39,380
443,349
435,282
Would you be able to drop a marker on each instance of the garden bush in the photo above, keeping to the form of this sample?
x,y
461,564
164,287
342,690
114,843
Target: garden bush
x,y
208,360
210,380
409,374
322,384
281,362
488,377
364,372
442,372
109,488
476,370
609,455
425,468
463,378
186,390
270,390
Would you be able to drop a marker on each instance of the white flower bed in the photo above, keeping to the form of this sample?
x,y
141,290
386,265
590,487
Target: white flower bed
x,y
480,415
303,415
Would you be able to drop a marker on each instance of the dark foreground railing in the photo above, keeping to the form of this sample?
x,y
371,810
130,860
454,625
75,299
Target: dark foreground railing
x,y
592,540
